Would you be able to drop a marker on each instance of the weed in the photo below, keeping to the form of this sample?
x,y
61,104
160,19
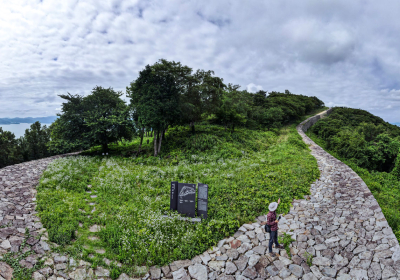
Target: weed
x,y
309,258
286,240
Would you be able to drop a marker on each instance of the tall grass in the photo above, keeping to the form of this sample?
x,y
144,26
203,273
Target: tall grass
x,y
245,171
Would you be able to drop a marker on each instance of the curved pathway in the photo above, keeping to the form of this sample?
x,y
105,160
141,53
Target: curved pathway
x,y
17,213
340,225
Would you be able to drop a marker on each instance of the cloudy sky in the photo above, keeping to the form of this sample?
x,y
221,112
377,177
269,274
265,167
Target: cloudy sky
x,y
346,53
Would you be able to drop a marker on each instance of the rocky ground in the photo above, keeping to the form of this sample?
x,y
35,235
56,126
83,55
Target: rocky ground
x,y
339,232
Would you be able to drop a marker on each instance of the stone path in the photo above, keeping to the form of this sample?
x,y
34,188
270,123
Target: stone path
x,y
340,226
17,213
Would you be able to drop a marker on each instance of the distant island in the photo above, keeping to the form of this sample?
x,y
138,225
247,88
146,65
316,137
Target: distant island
x,y
50,119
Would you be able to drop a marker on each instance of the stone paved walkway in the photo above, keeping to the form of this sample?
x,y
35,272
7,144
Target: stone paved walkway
x,y
340,225
17,212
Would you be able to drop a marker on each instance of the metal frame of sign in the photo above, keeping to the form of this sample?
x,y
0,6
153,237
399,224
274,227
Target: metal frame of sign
x,y
202,201
173,205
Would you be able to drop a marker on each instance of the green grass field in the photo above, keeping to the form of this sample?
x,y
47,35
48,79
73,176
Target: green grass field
x,y
127,197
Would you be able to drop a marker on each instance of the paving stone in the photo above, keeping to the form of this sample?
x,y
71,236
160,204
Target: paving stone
x,y
198,271
296,270
250,272
155,272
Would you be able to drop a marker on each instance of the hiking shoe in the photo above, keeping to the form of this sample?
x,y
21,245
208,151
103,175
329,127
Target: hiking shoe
x,y
281,247
272,254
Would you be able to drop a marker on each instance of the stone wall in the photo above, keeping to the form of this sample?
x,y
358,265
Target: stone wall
x,y
311,121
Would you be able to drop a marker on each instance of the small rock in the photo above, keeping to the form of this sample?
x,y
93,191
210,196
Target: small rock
x,y
78,274
102,272
329,272
37,276
198,271
296,270
155,272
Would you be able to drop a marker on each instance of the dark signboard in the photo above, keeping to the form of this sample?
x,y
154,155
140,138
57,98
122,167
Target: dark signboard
x,y
202,201
187,199
173,205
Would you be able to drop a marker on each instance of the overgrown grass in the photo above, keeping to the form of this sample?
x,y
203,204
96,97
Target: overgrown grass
x,y
384,186
245,171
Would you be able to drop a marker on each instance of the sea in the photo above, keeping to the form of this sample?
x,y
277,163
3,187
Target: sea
x,y
18,129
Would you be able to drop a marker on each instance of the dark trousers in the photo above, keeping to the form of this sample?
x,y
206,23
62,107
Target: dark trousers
x,y
273,238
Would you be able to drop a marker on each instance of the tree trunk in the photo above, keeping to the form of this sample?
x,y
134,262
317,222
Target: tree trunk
x,y
141,140
155,144
159,142
192,127
163,135
104,147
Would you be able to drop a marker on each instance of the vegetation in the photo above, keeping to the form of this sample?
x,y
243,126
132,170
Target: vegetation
x,y
245,170
96,119
370,146
33,145
286,240
165,95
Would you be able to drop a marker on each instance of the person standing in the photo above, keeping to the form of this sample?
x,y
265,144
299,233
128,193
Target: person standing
x,y
272,221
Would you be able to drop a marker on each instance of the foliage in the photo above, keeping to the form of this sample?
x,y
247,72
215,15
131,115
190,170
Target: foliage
x,y
96,119
9,153
245,170
384,186
309,258
35,139
155,101
33,145
359,136
286,240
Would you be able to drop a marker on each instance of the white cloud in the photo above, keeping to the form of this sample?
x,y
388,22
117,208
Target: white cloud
x,y
253,87
345,53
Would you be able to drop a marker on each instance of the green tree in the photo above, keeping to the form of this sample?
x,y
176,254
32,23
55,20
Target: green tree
x,y
234,108
8,149
155,101
36,140
100,118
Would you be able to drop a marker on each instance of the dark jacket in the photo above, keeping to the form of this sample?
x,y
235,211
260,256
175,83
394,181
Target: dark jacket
x,y
271,218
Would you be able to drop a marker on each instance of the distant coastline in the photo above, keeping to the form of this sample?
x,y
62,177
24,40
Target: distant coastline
x,y
45,120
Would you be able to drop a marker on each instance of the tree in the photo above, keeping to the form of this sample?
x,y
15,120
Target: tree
x,y
68,129
8,149
234,107
36,140
97,119
155,101
106,117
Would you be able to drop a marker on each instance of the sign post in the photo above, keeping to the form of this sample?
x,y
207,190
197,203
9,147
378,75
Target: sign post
x,y
187,199
202,201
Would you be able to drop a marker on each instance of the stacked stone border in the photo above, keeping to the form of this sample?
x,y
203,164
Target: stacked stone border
x,y
339,232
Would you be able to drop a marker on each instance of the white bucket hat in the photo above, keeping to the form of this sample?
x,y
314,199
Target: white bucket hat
x,y
272,207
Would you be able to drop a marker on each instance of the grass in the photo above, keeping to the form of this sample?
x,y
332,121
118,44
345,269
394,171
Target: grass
x,y
245,171
384,186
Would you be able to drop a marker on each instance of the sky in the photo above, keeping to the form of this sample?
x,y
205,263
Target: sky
x,y
344,52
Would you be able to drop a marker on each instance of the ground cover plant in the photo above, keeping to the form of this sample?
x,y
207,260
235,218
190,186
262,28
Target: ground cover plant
x,y
112,207
370,146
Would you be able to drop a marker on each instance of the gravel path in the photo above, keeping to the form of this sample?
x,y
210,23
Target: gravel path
x,y
340,225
